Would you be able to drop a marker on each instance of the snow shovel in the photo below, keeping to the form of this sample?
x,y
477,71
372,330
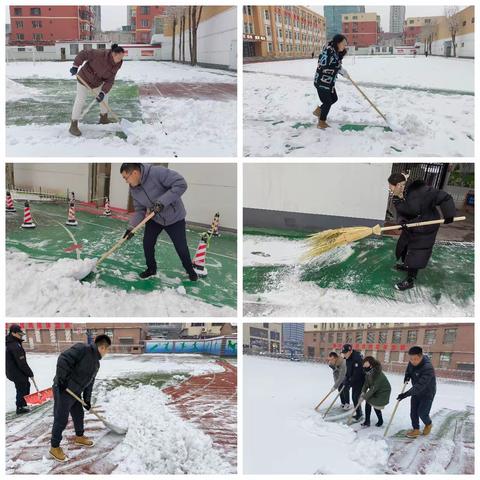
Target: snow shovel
x,y
40,397
334,400
394,411
323,399
125,125
113,428
350,418
119,244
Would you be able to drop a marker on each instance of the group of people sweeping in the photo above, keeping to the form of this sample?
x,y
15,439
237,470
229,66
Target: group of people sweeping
x,y
364,379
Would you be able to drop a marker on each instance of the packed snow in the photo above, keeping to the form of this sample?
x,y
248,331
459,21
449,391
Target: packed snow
x,y
279,98
284,435
37,288
16,91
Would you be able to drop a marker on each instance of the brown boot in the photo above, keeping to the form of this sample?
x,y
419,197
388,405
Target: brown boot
x,y
104,120
413,433
57,454
322,124
427,429
83,441
74,130
316,112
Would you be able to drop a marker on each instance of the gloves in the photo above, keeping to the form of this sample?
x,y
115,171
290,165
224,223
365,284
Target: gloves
x,y
100,97
402,396
406,378
447,220
74,70
62,384
87,405
158,207
128,234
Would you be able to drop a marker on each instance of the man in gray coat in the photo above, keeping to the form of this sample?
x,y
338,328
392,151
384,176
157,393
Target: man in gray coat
x,y
158,189
339,367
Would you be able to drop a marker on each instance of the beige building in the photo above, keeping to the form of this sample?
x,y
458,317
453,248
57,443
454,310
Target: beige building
x,y
206,330
262,337
275,32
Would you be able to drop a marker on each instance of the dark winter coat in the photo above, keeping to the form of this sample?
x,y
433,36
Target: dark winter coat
x,y
77,368
419,204
328,67
339,371
424,382
355,375
100,68
376,389
159,184
17,368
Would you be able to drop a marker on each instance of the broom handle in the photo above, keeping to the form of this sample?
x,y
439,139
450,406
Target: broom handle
x,y
421,224
394,411
124,239
106,105
368,100
334,400
323,399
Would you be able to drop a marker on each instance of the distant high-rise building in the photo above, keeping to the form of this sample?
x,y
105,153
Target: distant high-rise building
x,y
397,17
97,18
333,17
292,337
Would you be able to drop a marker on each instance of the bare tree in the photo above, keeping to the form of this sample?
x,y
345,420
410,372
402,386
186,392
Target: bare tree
x,y
184,18
427,34
194,22
453,24
173,14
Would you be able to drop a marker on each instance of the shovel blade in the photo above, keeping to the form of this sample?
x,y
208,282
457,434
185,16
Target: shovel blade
x,y
115,428
40,397
128,127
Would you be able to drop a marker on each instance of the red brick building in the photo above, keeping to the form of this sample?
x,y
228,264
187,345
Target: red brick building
x,y
142,20
414,28
361,29
46,24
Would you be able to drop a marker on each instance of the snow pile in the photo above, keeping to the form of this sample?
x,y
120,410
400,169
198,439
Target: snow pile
x,y
16,91
69,268
37,288
158,441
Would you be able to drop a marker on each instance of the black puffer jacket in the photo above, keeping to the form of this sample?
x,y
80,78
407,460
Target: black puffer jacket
x,y
77,368
16,365
424,382
419,204
328,67
355,375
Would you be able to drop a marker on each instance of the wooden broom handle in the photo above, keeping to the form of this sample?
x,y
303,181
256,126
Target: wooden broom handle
x,y
367,99
124,239
421,224
107,106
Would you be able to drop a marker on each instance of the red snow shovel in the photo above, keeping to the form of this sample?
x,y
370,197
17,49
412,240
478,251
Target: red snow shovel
x,y
40,397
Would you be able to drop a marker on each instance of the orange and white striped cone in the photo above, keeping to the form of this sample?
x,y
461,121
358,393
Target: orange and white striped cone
x,y
215,225
27,217
10,206
71,219
106,209
200,258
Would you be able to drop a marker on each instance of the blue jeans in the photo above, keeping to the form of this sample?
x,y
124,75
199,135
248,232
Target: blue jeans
x,y
420,409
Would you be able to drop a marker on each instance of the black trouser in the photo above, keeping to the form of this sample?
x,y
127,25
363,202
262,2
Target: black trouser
x,y
63,406
344,395
23,388
411,272
420,409
368,412
328,98
356,392
177,233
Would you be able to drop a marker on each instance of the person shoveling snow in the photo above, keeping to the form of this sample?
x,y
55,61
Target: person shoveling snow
x,y
77,368
97,75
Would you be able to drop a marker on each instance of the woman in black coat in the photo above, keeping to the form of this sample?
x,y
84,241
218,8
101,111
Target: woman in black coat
x,y
417,202
328,67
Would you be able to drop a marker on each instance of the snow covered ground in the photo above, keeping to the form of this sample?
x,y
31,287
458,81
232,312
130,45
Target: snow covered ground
x,y
170,125
430,110
36,288
284,435
158,441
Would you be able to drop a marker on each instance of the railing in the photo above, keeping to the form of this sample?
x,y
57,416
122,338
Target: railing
x,y
61,346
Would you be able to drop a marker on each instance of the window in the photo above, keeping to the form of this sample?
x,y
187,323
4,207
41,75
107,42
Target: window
x,y
397,336
266,14
144,23
35,11
265,325
311,352
21,49
269,32
19,23
450,335
258,332
370,337
39,48
412,336
330,335
464,23
348,335
274,335
101,45
20,36
270,50
430,337
445,359
36,23
394,356
339,337
144,10
17,11
247,10
38,36
358,337
74,49
382,337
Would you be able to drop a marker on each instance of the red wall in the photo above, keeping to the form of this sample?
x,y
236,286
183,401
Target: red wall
x,y
366,33
144,34
57,23
410,34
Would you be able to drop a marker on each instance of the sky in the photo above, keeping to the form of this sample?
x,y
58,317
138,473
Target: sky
x,y
384,12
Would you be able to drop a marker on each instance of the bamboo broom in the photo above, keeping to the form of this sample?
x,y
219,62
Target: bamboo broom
x,y
323,242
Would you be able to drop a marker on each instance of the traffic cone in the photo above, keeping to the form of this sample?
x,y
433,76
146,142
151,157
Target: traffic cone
x,y
27,217
10,206
71,220
107,212
214,227
200,257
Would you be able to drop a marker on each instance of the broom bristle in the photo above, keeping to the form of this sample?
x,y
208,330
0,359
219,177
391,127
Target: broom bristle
x,y
322,242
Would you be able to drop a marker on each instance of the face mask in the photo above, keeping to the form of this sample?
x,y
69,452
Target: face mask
x,y
367,369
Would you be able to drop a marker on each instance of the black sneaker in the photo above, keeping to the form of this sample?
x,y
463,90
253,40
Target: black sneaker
x,y
405,285
401,267
357,417
379,423
148,273
365,424
22,410
193,276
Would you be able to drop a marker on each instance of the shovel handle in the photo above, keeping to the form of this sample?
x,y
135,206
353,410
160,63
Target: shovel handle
x,y
323,399
394,411
106,105
124,239
354,410
334,400
34,384
421,224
